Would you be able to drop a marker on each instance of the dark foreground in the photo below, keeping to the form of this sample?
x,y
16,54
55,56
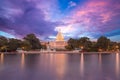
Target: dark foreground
x,y
59,67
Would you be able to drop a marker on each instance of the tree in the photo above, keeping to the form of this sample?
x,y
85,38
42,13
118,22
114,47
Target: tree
x,y
94,46
119,45
34,42
13,44
25,45
103,43
72,44
79,43
85,43
3,43
112,45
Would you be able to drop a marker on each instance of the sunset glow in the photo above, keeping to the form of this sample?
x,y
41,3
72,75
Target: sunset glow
x,y
76,18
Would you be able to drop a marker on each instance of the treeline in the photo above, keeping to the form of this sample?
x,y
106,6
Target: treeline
x,y
29,42
84,43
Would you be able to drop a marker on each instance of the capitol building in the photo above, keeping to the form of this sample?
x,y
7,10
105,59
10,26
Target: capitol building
x,y
59,42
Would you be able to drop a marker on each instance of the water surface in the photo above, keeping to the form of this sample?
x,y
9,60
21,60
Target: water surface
x,y
60,67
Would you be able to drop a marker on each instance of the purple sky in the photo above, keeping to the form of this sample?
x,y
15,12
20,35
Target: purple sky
x,y
75,18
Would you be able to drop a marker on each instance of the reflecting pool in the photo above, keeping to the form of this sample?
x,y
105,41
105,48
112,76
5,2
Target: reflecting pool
x,y
60,66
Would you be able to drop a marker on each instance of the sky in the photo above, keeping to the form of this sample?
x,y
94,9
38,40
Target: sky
x,y
75,18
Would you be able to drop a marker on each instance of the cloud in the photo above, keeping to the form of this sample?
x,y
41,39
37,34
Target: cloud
x,y
95,18
23,17
91,18
72,4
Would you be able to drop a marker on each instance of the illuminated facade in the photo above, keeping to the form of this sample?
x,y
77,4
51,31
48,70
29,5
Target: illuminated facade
x,y
59,43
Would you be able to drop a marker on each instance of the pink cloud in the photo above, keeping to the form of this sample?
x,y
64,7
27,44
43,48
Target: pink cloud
x,y
93,16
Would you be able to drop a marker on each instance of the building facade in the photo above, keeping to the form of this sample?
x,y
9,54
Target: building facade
x,y
59,43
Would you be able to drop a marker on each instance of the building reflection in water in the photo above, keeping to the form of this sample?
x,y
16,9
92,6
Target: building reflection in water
x,y
54,63
117,64
60,63
82,64
2,58
22,60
